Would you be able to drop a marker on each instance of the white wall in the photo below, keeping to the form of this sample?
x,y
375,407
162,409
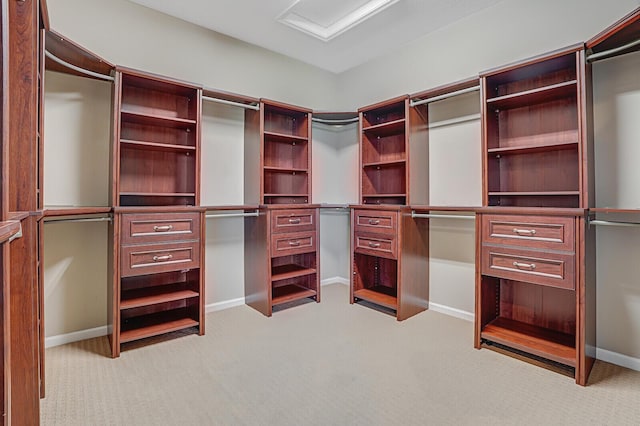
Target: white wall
x,y
509,31
131,35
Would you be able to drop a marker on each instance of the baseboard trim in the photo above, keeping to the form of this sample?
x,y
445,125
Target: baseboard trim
x,y
618,359
76,336
226,304
335,280
453,312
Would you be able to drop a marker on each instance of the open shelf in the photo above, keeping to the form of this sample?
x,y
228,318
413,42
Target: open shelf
x,y
284,170
157,146
156,120
285,272
152,296
533,193
290,293
388,128
155,324
284,138
535,96
389,163
550,344
380,295
157,194
534,148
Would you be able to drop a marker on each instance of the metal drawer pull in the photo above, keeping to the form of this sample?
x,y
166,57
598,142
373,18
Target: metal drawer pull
x,y
294,243
374,245
163,228
294,221
162,258
374,222
527,232
529,266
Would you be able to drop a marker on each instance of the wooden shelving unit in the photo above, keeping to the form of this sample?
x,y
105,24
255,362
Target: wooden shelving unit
x,y
535,254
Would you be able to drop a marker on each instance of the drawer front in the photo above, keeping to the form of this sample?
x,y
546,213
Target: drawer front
x,y
550,269
295,220
555,233
151,259
293,243
379,222
160,227
376,245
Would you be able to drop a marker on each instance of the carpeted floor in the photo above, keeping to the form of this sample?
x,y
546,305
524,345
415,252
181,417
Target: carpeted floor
x,y
325,364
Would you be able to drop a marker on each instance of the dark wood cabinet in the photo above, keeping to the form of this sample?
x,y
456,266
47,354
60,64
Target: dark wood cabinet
x,y
282,257
535,252
157,249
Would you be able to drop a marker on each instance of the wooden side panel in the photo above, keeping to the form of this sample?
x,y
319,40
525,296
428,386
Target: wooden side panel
x,y
113,287
256,257
5,365
586,302
413,266
418,155
252,166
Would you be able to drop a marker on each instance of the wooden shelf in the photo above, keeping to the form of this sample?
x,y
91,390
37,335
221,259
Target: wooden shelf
x,y
157,120
285,272
156,146
534,193
534,96
380,295
614,210
8,229
384,195
283,138
146,297
543,342
284,170
290,293
280,194
158,194
390,163
531,149
53,211
388,128
154,324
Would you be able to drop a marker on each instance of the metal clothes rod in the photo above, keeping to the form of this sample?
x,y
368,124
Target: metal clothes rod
x,y
441,216
612,52
78,69
217,216
453,121
81,219
613,223
444,96
232,103
336,121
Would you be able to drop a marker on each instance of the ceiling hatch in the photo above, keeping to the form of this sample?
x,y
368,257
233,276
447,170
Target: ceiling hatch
x,y
327,19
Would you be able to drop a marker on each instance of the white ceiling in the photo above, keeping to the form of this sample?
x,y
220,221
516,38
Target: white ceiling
x,y
258,22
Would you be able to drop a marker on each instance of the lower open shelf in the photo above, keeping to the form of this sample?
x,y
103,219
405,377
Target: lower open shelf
x,y
136,328
145,297
380,295
285,272
290,293
539,341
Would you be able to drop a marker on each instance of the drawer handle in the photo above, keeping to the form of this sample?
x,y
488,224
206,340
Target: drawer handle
x,y
527,232
374,222
527,266
162,258
294,243
164,228
374,245
294,221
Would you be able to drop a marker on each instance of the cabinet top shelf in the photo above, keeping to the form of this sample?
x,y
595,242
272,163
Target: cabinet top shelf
x,y
535,96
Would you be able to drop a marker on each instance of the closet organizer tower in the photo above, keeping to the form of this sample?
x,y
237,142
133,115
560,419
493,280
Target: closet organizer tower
x,y
535,256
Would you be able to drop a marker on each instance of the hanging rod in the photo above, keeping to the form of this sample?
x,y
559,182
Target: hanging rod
x,y
415,215
217,216
335,122
459,120
613,223
78,219
444,96
611,52
232,103
78,69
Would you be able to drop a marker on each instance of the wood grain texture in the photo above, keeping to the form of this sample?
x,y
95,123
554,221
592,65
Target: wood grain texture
x,y
623,31
413,266
71,52
257,237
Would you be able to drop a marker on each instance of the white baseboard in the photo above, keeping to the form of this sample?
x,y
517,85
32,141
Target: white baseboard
x,y
226,304
76,336
453,312
335,280
618,359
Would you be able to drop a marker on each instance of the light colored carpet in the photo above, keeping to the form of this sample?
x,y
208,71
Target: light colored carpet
x,y
325,364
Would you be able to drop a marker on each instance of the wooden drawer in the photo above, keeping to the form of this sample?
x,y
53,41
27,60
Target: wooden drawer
x,y
549,232
293,243
550,269
295,220
160,227
376,245
376,221
151,259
